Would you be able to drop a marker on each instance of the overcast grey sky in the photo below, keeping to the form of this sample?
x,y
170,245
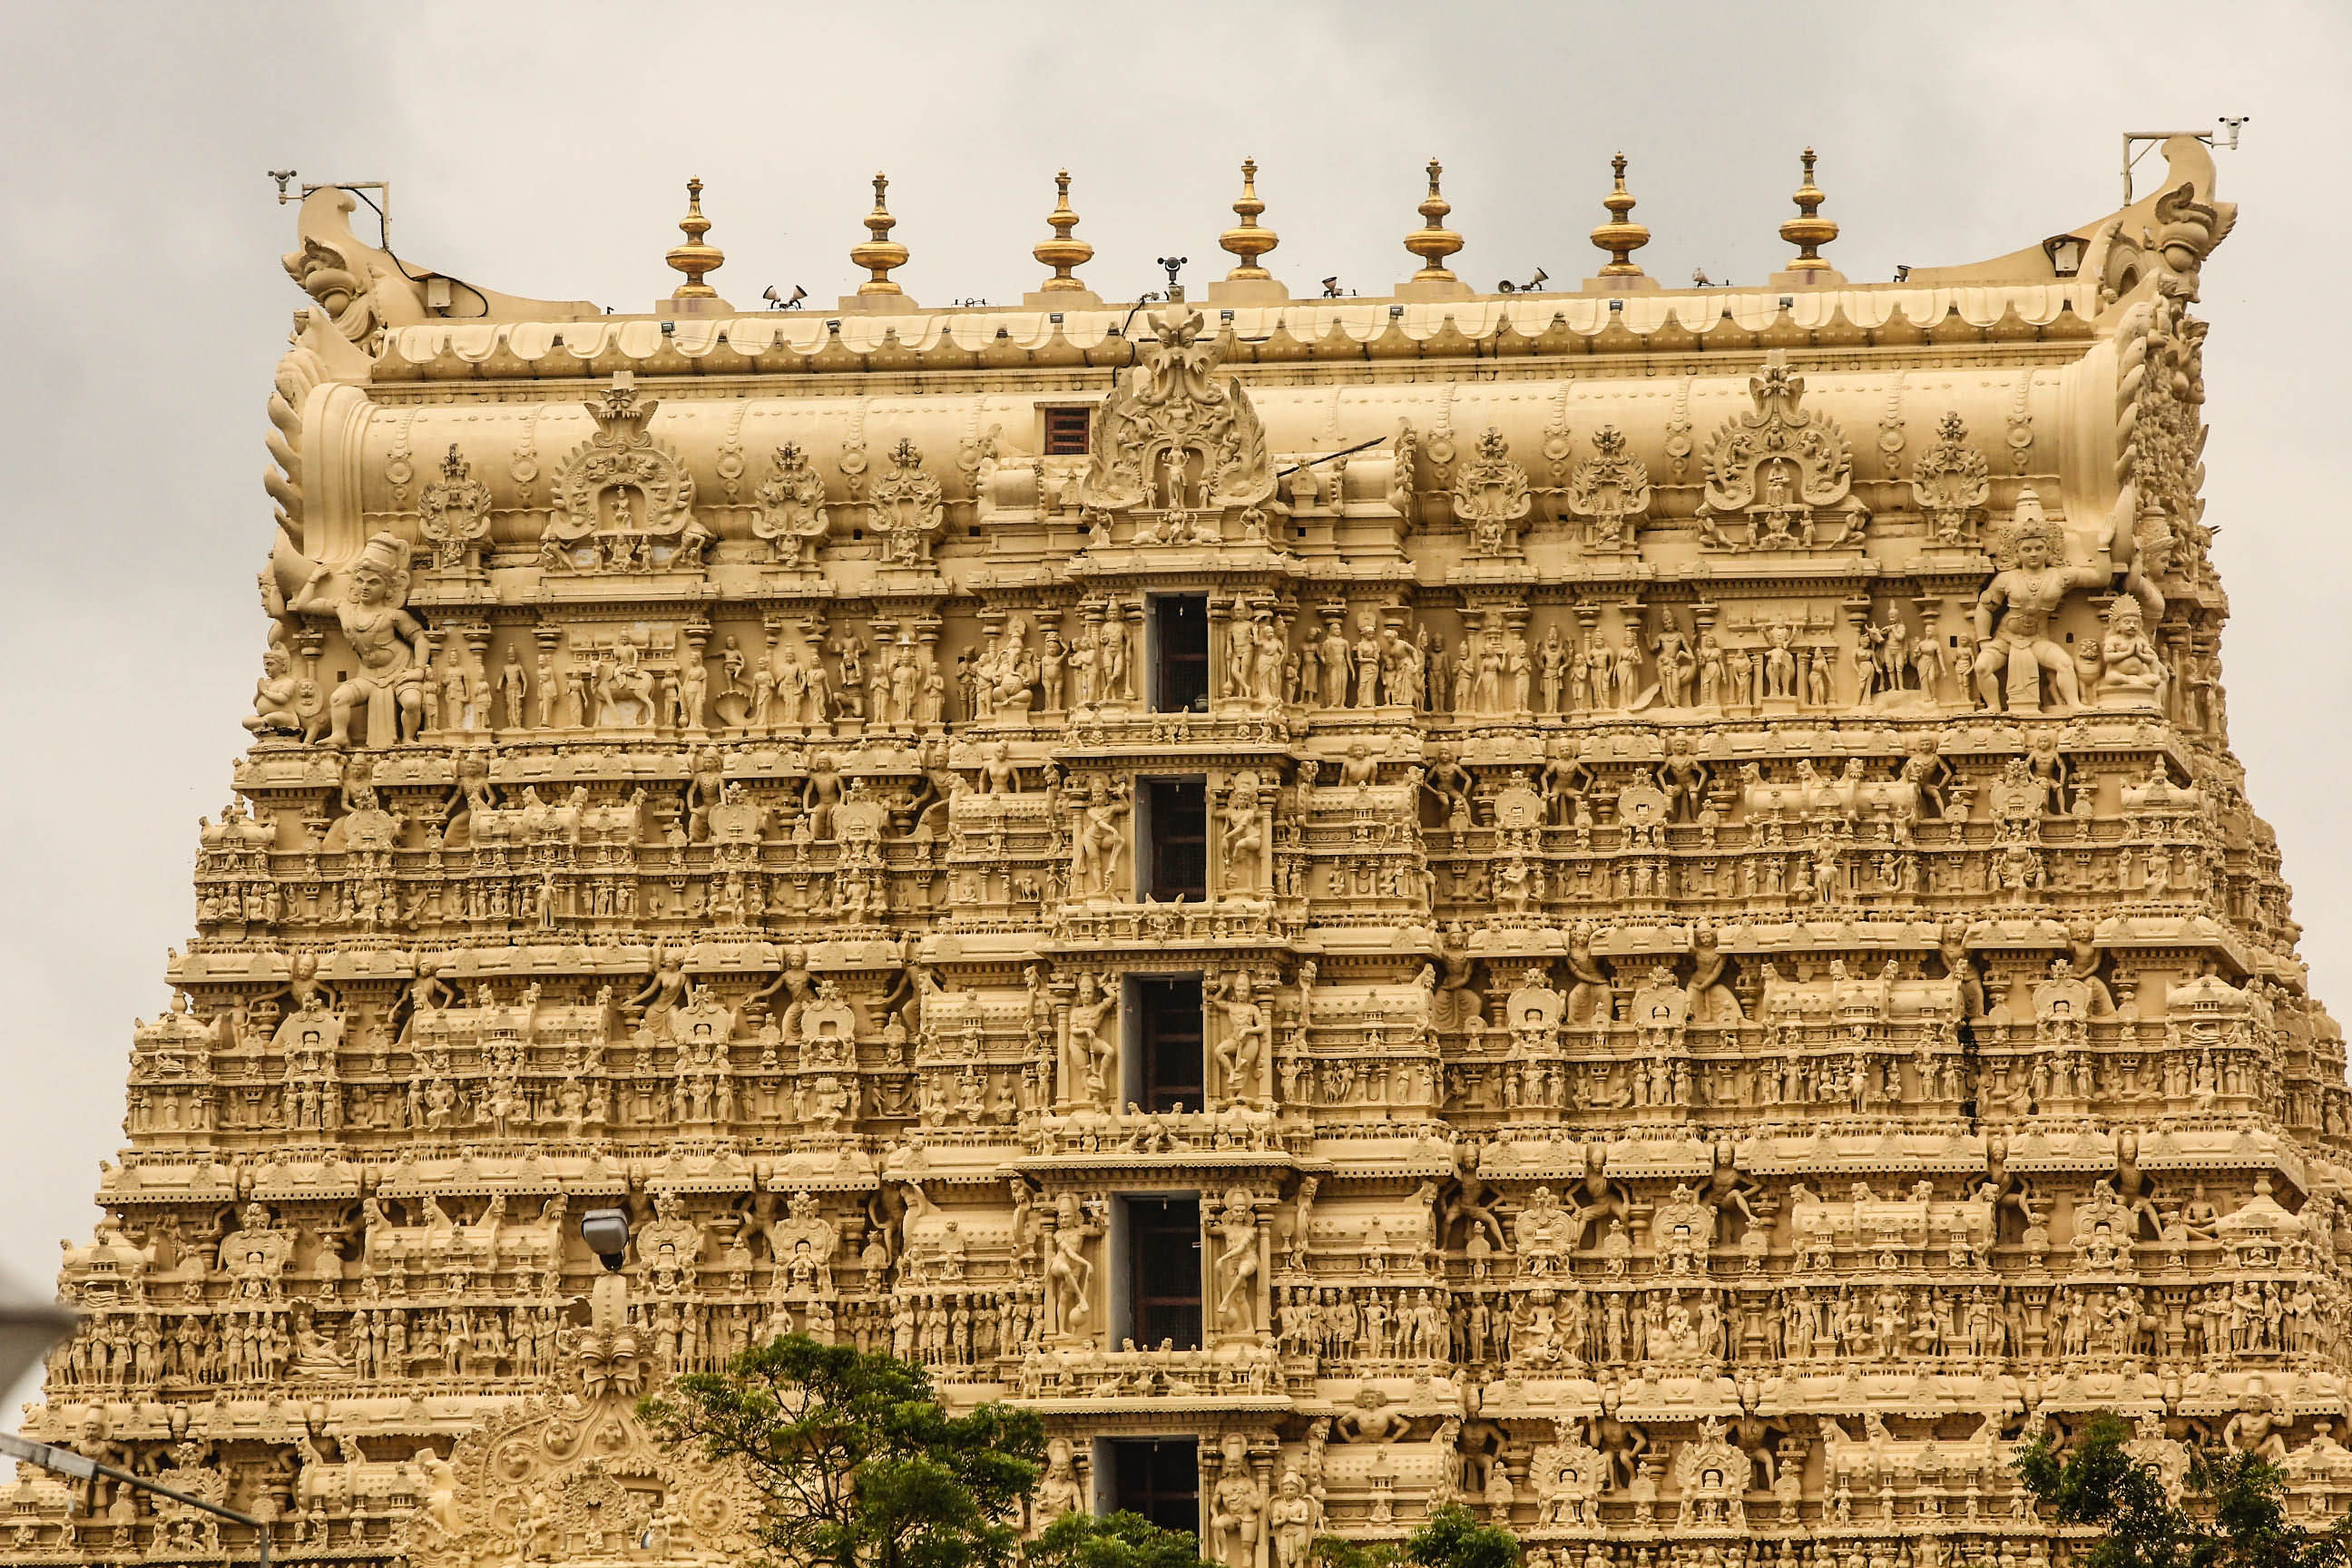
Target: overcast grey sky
x,y
542,149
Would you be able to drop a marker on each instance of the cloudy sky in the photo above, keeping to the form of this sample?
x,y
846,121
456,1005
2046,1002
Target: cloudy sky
x,y
542,149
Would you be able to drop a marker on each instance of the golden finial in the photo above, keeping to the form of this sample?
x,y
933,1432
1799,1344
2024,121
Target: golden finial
x,y
881,253
1248,239
1432,242
1621,235
1062,252
694,258
1809,230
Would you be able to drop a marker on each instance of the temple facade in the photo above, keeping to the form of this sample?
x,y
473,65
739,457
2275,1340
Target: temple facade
x,y
1628,907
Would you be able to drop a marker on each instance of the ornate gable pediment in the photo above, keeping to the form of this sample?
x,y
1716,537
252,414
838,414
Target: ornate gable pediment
x,y
1780,477
559,1478
1491,498
791,517
1609,491
1951,483
624,500
571,1475
454,513
1172,439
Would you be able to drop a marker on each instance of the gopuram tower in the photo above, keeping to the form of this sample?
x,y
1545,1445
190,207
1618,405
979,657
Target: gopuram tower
x,y
1629,906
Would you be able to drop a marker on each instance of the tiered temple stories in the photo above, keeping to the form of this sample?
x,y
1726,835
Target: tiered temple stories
x,y
1628,907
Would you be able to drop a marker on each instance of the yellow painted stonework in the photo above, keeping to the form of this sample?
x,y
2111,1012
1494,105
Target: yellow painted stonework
x,y
1737,977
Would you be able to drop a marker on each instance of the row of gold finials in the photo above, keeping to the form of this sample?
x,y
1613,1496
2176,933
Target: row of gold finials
x,y
1248,240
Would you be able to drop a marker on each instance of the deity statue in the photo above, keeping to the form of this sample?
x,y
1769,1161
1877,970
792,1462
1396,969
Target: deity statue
x,y
2013,617
1676,663
1059,1490
1069,1272
693,690
1237,1266
1236,1508
624,689
1242,837
1551,669
1712,999
1102,834
1086,1075
391,646
1241,1056
280,697
1779,664
2131,670
1295,1520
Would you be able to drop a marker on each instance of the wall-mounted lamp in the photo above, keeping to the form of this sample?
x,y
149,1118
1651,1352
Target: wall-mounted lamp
x,y
2066,253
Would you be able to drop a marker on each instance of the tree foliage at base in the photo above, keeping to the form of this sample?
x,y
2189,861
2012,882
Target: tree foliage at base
x,y
857,1463
1120,1540
1452,1538
2243,1523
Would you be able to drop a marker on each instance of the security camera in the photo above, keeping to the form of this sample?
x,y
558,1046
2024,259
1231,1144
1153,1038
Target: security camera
x,y
606,1232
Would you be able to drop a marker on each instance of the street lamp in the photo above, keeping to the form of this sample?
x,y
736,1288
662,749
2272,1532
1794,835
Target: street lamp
x,y
27,1329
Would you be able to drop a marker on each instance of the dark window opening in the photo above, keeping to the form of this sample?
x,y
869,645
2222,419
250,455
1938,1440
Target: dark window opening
x,y
1065,431
1168,1042
1176,820
1159,1479
1180,653
1163,1282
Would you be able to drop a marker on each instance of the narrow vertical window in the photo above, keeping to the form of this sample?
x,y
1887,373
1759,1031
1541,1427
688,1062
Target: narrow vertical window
x,y
1176,839
1159,1478
1180,653
1167,1034
1164,1271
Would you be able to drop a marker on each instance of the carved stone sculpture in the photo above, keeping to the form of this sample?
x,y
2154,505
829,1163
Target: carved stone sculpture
x,y
793,517
2014,650
1445,913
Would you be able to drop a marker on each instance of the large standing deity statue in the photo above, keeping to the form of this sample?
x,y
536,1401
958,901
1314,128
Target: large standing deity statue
x,y
2012,617
390,644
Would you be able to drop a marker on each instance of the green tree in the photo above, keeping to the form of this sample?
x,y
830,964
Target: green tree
x,y
1455,1539
2239,1520
1452,1538
1113,1541
857,1463
1337,1552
